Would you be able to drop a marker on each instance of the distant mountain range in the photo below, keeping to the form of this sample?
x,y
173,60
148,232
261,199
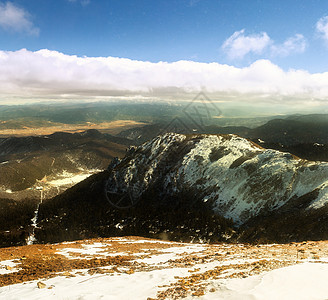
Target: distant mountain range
x,y
78,113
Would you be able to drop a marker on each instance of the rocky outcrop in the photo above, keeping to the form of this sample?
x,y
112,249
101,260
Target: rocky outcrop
x,y
233,176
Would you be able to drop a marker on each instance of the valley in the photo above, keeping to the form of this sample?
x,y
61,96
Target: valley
x,y
113,127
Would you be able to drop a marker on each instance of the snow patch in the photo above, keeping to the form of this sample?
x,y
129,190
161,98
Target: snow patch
x,y
8,266
306,281
67,178
86,250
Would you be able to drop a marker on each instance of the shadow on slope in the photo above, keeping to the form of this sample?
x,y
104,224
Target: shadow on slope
x,y
82,212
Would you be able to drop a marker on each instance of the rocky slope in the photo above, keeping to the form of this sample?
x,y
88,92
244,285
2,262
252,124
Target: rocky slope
x,y
195,187
231,175
190,187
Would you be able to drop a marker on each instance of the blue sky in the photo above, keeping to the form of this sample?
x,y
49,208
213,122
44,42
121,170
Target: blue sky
x,y
289,35
171,30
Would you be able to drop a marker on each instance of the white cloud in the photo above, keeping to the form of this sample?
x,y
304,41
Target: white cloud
x,y
239,44
17,19
50,74
193,2
83,2
322,27
294,44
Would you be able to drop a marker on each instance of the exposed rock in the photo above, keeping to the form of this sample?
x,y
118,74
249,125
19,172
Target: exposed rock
x,y
41,285
233,176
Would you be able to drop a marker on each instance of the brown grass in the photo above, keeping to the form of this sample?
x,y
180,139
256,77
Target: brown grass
x,y
113,127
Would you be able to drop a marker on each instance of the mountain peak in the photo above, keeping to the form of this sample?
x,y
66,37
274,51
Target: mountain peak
x,y
233,176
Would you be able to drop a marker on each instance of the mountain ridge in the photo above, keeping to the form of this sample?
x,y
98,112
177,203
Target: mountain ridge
x,y
193,187
157,190
232,167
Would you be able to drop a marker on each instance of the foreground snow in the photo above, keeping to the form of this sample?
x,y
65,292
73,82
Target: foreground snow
x,y
165,270
304,281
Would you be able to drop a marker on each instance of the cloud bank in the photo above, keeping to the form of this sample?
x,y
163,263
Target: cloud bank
x,y
16,19
50,74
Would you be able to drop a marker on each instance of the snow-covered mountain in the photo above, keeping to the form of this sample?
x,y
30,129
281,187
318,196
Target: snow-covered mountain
x,y
233,176
185,188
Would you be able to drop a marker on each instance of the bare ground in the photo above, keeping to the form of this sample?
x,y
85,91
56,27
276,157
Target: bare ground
x,y
129,255
113,127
